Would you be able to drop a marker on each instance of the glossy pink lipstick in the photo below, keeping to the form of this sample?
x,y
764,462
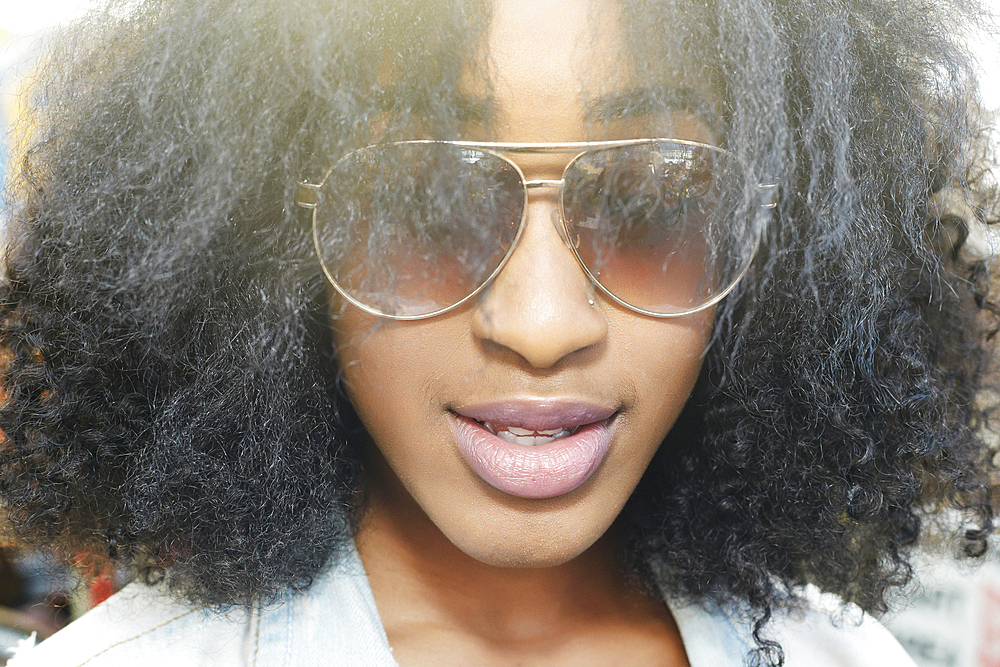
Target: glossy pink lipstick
x,y
583,435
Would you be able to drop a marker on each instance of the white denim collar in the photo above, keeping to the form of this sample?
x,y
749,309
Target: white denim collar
x,y
335,622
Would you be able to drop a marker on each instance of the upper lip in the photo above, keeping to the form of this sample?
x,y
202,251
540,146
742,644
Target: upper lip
x,y
537,414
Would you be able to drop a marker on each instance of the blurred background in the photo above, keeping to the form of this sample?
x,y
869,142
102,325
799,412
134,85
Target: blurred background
x,y
37,594
951,617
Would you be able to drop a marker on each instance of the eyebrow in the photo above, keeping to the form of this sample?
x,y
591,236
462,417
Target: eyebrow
x,y
637,103
468,109
477,111
643,102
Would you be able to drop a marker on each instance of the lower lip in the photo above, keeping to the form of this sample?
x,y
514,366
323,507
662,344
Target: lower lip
x,y
539,471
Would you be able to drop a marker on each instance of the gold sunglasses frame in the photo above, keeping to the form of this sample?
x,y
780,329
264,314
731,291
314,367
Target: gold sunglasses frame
x,y
307,196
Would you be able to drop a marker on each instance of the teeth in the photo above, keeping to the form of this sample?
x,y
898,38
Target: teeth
x,y
523,431
523,436
525,440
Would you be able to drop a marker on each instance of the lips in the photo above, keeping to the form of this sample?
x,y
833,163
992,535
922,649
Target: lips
x,y
533,449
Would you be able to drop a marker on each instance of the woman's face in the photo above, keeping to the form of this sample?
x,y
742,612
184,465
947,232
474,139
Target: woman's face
x,y
539,349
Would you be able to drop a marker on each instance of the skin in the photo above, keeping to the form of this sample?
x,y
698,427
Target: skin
x,y
463,573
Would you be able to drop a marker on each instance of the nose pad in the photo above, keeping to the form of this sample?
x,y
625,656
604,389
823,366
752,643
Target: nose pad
x,y
560,225
541,306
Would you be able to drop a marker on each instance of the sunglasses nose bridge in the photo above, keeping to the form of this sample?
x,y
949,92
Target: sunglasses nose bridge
x,y
558,216
544,183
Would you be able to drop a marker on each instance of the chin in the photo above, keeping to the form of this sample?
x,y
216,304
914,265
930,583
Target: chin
x,y
543,556
531,543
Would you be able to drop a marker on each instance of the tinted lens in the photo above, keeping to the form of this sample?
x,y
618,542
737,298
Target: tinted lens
x,y
652,224
411,229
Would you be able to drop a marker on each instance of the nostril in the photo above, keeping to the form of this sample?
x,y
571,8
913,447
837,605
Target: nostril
x,y
540,326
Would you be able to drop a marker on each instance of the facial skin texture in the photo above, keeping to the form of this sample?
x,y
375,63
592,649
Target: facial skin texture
x,y
532,335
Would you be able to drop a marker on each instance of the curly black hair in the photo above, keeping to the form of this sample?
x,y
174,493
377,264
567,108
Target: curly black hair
x,y
172,388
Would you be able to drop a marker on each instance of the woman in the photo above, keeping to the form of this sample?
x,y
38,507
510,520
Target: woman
x,y
490,333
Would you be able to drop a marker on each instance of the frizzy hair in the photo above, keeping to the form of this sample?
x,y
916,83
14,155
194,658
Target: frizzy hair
x,y
173,388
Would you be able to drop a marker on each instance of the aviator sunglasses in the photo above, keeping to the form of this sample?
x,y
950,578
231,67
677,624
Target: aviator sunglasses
x,y
412,229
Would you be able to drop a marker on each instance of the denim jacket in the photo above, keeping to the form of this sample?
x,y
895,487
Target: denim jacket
x,y
335,623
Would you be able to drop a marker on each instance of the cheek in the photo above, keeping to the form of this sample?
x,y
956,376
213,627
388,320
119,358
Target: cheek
x,y
662,360
662,356
384,368
392,373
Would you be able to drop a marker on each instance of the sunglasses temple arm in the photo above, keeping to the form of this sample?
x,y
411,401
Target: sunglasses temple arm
x,y
768,194
307,195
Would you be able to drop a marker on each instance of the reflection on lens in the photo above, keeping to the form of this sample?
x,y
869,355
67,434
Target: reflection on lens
x,y
652,225
411,229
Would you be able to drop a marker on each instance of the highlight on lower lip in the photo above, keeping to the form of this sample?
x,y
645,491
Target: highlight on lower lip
x,y
541,471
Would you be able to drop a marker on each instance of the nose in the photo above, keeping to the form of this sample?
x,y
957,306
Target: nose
x,y
542,305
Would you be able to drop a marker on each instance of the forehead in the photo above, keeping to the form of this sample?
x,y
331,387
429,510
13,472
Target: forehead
x,y
532,42
558,70
561,68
